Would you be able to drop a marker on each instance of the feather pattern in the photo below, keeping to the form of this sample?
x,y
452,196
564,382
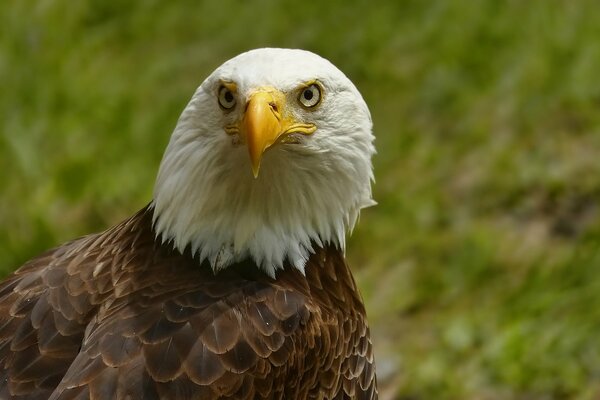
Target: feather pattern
x,y
120,315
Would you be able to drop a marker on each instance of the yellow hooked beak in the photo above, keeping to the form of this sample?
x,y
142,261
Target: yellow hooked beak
x,y
265,122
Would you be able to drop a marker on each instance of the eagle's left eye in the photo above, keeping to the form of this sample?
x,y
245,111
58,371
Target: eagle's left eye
x,y
226,98
310,96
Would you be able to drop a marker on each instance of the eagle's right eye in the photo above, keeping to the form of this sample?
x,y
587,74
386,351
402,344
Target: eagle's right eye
x,y
226,98
310,96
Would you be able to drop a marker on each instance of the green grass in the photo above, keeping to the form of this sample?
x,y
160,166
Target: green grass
x,y
480,266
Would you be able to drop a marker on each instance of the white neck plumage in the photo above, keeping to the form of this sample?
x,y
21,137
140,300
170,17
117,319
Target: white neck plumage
x,y
206,197
215,205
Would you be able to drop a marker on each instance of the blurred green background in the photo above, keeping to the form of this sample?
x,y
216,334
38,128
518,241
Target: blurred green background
x,y
480,266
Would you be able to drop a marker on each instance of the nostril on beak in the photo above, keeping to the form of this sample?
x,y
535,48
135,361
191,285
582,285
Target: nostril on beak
x,y
273,106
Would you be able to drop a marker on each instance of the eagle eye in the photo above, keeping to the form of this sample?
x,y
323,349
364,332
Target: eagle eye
x,y
226,98
310,96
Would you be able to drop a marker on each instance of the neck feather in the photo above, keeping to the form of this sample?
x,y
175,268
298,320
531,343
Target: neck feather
x,y
206,198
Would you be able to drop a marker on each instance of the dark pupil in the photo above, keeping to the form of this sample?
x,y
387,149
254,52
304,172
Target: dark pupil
x,y
308,94
228,97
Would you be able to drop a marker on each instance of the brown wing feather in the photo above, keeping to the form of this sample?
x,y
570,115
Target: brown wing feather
x,y
41,325
117,315
188,344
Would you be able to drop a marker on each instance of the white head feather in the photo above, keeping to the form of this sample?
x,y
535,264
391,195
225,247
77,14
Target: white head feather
x,y
307,193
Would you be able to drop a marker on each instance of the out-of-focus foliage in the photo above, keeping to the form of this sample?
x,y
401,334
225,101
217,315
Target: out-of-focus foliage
x,y
480,266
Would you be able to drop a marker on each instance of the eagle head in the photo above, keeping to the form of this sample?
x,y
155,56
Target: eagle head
x,y
271,157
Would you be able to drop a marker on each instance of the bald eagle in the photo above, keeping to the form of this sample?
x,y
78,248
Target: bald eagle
x,y
232,282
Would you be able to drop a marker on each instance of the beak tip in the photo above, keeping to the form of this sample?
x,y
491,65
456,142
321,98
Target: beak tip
x,y
255,170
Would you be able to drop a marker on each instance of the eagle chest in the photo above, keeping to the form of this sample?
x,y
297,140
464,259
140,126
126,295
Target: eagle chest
x,y
155,326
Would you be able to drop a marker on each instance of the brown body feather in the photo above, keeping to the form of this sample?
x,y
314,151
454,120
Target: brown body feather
x,y
118,315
